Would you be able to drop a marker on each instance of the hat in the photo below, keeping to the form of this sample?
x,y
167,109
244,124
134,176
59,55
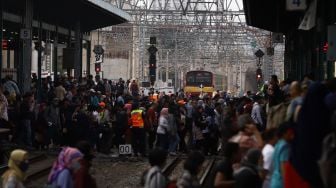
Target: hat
x,y
92,90
102,104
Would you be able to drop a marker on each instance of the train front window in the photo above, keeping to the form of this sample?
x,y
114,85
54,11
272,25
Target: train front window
x,y
190,78
199,78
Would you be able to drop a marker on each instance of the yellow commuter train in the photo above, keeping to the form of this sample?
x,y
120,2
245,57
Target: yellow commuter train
x,y
198,82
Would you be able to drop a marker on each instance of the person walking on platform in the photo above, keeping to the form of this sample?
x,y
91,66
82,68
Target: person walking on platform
x,y
27,116
154,177
65,167
152,124
17,167
138,130
162,131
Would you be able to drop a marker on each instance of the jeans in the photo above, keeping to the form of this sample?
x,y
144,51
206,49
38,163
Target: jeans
x,y
163,141
139,140
151,138
182,134
173,142
26,132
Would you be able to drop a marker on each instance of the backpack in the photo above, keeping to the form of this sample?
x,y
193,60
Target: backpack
x,y
327,163
277,115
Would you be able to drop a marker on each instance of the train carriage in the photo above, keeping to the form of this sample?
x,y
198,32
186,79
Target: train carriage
x,y
199,82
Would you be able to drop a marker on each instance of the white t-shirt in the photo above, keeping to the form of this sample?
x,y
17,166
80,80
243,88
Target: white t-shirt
x,y
267,153
163,125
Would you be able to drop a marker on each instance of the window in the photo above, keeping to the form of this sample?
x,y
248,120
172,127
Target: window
x,y
198,78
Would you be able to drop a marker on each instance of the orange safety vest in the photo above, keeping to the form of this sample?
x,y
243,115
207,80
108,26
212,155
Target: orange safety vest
x,y
137,120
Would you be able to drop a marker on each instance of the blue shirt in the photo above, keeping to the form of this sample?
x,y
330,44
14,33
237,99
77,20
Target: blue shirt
x,y
281,154
94,101
64,180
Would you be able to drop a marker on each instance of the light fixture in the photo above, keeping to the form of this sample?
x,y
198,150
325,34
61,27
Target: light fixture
x,y
4,30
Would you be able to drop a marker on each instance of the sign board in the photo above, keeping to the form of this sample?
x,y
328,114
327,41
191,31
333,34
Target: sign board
x,y
145,84
25,34
331,53
152,49
99,58
277,38
309,19
152,40
296,5
98,49
125,149
259,53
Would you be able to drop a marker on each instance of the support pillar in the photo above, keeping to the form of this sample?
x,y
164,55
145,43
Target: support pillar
x,y
55,54
1,36
25,63
39,62
69,45
8,56
88,58
78,56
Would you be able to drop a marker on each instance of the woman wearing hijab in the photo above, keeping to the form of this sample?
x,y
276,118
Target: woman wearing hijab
x,y
67,164
162,130
18,165
248,174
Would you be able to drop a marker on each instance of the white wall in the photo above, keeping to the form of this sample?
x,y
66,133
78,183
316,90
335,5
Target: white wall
x,y
115,68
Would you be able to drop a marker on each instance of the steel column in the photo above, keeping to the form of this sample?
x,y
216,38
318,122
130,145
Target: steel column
x,y
78,63
39,62
55,54
1,35
88,58
25,63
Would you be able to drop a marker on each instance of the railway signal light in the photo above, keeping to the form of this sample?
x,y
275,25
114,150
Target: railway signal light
x,y
259,74
325,47
97,67
152,64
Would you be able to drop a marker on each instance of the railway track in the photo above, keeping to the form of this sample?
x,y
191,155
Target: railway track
x,y
207,172
174,170
39,167
169,168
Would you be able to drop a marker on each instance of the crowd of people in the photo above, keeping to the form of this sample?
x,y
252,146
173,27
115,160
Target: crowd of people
x,y
281,136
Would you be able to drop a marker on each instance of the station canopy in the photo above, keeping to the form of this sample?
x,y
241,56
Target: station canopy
x,y
92,14
270,15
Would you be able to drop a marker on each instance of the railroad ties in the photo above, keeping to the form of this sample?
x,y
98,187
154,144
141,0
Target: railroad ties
x,y
174,169
39,167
